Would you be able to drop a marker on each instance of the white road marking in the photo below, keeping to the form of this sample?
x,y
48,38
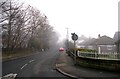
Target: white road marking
x,y
31,61
9,76
24,66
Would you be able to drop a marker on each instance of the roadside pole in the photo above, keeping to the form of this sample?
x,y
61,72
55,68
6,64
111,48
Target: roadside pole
x,y
67,39
74,52
74,38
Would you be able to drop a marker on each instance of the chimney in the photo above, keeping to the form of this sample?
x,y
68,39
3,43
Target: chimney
x,y
98,35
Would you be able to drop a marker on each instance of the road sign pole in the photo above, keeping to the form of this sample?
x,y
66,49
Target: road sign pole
x,y
74,38
74,52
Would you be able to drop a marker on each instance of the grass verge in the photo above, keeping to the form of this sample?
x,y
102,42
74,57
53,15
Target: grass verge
x,y
16,54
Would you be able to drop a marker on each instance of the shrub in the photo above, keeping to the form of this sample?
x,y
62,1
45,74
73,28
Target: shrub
x,y
83,50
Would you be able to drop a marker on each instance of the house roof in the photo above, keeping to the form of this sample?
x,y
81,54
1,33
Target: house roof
x,y
88,42
103,40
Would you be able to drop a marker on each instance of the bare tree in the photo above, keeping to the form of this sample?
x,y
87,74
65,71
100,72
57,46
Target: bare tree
x,y
24,26
10,21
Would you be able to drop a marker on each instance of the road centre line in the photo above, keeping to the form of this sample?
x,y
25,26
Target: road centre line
x,y
27,64
24,66
31,61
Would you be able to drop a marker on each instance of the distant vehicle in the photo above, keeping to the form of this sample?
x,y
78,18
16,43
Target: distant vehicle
x,y
61,49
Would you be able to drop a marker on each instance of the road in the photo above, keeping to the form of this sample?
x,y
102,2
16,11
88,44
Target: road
x,y
41,64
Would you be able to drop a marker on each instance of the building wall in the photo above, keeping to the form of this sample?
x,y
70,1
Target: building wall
x,y
107,48
102,48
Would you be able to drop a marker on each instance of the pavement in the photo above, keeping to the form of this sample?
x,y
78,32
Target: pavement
x,y
65,64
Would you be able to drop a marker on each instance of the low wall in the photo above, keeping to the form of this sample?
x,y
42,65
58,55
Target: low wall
x,y
113,65
105,64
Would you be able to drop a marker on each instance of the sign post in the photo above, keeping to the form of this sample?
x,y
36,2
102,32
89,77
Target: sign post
x,y
74,38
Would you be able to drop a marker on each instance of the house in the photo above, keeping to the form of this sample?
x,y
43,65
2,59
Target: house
x,y
103,44
87,43
117,39
117,42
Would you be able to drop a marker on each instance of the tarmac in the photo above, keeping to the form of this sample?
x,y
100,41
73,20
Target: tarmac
x,y
65,65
